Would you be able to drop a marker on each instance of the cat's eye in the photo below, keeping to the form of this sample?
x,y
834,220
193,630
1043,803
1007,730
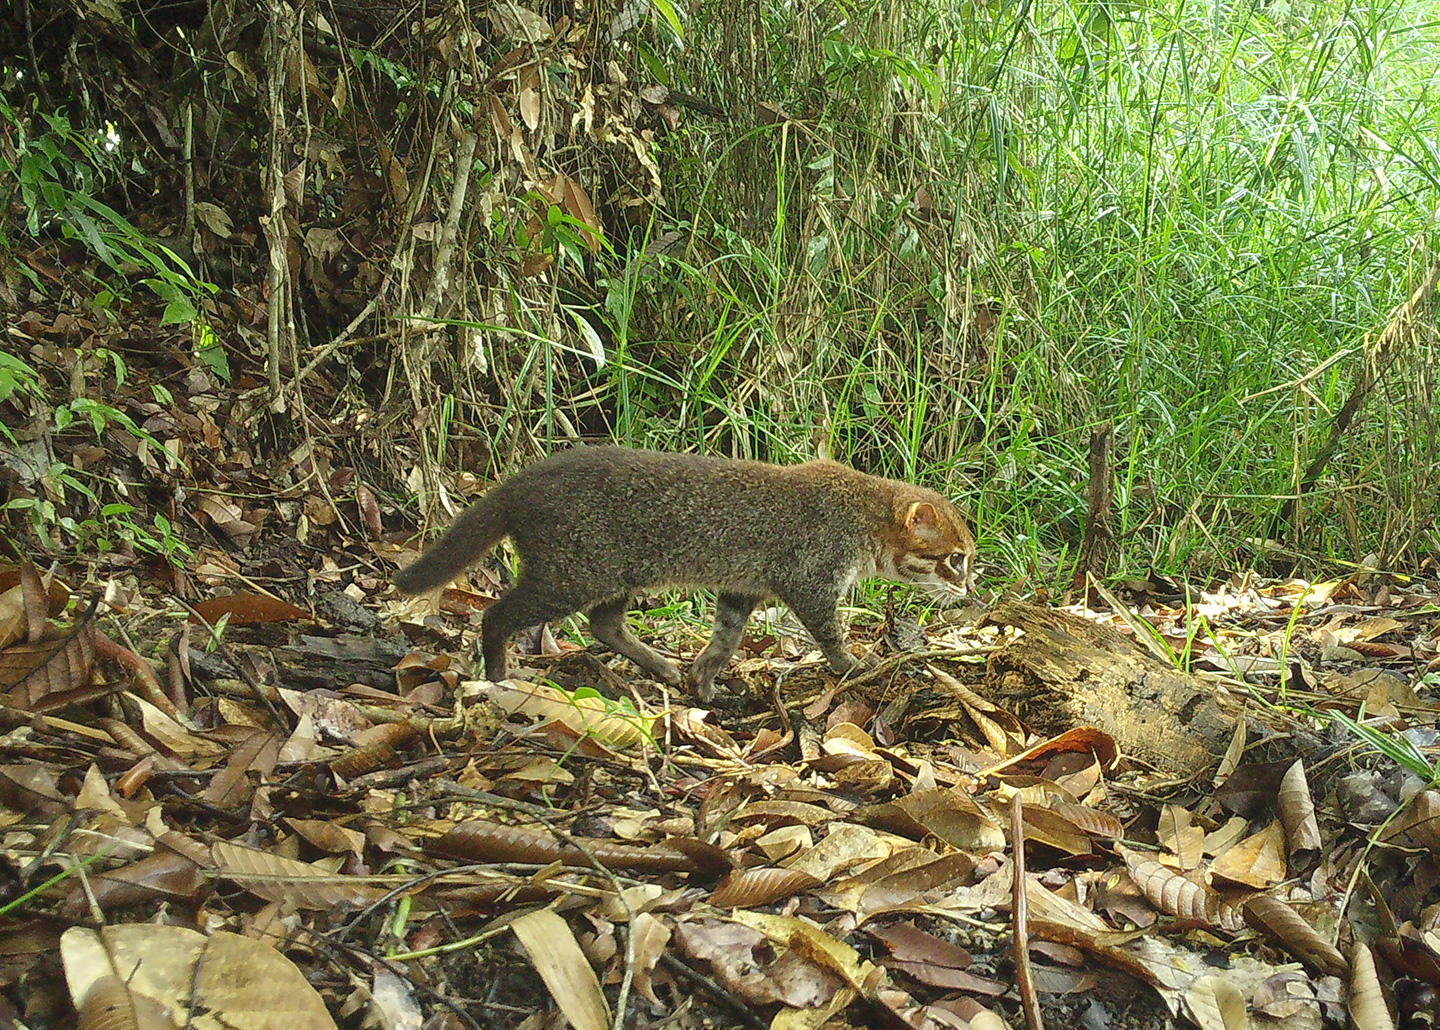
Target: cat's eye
x,y
959,561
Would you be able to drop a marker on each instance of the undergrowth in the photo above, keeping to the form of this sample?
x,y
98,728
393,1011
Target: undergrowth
x,y
944,241
964,241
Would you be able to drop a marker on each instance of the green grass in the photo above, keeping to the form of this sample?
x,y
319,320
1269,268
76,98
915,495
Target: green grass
x,y
1184,219
941,240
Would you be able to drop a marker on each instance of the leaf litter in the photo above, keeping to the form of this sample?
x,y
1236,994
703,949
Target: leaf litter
x,y
827,850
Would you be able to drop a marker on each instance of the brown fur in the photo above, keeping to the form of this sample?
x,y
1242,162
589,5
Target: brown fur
x,y
594,526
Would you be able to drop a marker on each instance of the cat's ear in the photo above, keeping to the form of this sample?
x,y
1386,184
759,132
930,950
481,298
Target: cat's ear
x,y
923,522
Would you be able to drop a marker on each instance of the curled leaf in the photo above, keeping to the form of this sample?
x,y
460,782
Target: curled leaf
x,y
747,888
480,840
1368,1010
1296,809
1175,895
1289,929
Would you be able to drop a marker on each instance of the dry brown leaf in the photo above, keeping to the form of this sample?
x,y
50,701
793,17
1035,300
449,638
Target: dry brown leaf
x,y
1289,996
220,982
530,107
500,119
168,734
231,788
1292,931
1296,809
1090,820
110,1004
976,1016
13,623
1233,754
1258,861
482,840
226,516
1175,895
1420,820
329,836
932,961
1214,1003
37,606
844,847
651,937
1046,826
1412,952
248,609
369,511
1082,740
1222,839
589,716
900,882
747,888
1180,836
782,812
27,599
735,953
300,884
51,674
784,841
1002,731
909,943
30,789
577,204
522,25
335,718
164,875
951,815
557,957
1368,1010
814,943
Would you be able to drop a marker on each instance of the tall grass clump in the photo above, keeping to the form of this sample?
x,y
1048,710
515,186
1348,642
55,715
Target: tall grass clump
x,y
944,240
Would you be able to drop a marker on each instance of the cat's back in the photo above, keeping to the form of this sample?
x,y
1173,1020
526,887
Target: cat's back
x,y
585,481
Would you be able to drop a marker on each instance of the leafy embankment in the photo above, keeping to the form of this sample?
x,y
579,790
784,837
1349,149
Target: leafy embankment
x,y
468,852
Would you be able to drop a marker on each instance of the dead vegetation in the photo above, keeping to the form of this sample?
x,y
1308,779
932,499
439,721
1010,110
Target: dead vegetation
x,y
432,850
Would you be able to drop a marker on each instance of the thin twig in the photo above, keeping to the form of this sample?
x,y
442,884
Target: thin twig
x,y
445,249
1020,928
742,1011
273,223
895,661
262,695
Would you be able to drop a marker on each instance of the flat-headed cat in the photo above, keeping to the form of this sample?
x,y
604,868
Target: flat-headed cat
x,y
594,526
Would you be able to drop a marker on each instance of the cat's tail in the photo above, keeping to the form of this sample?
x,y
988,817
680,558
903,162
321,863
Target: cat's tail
x,y
479,528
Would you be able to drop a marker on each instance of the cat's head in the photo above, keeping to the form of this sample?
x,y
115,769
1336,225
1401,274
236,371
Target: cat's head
x,y
930,545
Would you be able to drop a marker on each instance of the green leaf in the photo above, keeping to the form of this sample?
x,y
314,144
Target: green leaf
x,y
86,227
165,290
591,338
178,311
212,352
667,11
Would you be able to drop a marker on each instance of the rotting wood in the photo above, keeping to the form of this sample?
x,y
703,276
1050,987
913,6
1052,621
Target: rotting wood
x,y
1066,671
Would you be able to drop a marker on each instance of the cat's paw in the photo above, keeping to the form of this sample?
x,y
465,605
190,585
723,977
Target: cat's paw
x,y
666,672
853,668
